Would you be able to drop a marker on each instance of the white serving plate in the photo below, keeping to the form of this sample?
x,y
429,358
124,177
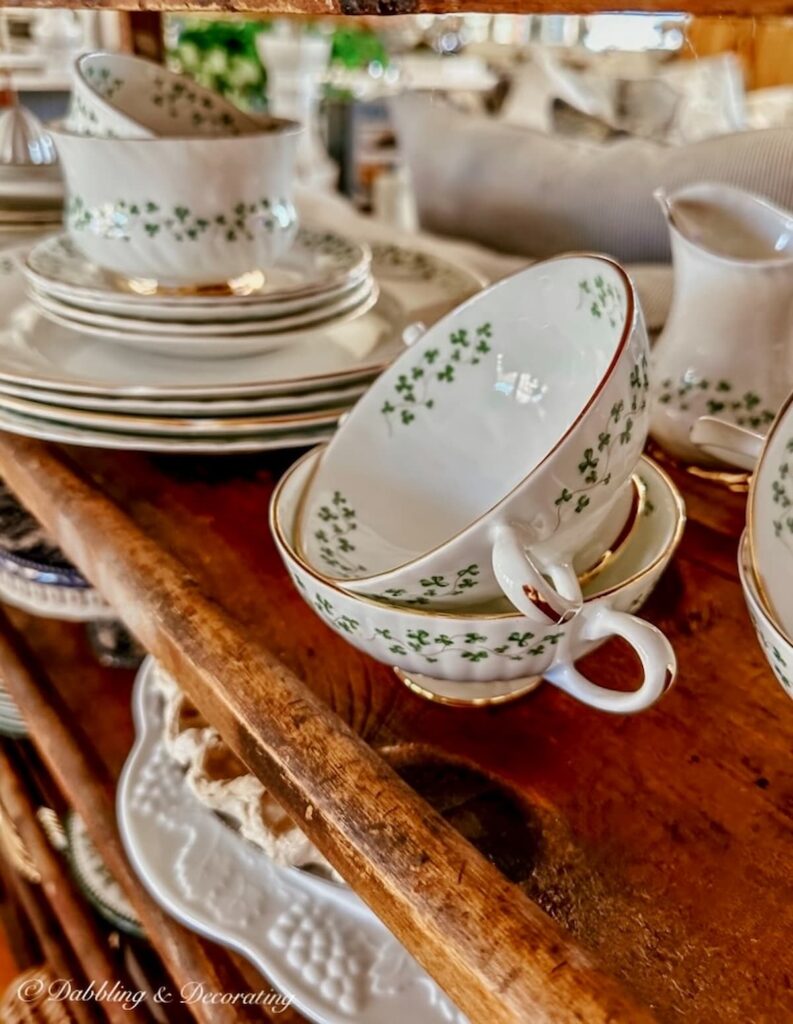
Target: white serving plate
x,y
191,345
45,356
315,941
317,263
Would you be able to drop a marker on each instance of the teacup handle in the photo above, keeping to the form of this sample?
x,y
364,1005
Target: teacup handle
x,y
523,580
727,441
659,664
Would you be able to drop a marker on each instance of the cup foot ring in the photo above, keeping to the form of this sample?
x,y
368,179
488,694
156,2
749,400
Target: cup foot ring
x,y
468,695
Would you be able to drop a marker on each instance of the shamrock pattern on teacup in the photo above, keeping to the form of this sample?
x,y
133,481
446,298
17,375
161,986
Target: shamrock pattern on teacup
x,y
180,223
594,465
434,646
781,491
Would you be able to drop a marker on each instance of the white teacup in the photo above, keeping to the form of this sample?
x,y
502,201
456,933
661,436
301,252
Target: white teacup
x,y
513,423
120,96
181,212
487,656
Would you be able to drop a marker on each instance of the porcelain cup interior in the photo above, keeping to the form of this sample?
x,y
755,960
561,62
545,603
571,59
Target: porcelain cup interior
x,y
491,644
129,97
770,522
181,212
776,647
524,410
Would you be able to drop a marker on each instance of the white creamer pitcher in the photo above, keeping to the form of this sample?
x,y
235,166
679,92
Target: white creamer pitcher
x,y
727,347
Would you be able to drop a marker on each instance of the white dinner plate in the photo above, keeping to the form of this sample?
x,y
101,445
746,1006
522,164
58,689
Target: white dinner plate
x,y
192,407
35,353
318,262
314,940
43,430
177,426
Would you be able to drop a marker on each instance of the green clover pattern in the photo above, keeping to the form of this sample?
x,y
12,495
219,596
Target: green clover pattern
x,y
716,398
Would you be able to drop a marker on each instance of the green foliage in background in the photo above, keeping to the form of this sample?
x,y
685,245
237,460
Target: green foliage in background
x,y
221,54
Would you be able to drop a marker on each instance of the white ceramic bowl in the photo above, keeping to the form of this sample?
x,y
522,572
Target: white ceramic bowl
x,y
488,655
126,97
183,212
776,647
512,423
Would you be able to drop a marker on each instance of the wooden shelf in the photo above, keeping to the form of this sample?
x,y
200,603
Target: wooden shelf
x,y
374,8
649,830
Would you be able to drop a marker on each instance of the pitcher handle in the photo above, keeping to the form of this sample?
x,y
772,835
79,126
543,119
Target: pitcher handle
x,y
727,441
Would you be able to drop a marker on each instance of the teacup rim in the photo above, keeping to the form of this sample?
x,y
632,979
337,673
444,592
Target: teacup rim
x,y
278,531
751,588
764,600
632,319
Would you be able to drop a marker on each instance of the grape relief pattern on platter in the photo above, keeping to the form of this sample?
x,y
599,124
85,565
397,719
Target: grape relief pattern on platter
x,y
715,398
782,497
324,948
594,466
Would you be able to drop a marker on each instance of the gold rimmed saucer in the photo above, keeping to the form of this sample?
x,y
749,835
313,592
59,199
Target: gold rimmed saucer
x,y
487,694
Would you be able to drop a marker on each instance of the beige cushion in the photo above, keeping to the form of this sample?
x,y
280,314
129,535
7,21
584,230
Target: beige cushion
x,y
526,192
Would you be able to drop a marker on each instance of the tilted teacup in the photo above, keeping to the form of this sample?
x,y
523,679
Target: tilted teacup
x,y
121,96
492,450
462,653
181,212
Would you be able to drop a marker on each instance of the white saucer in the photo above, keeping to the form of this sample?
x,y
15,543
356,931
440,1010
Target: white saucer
x,y
190,344
317,263
315,941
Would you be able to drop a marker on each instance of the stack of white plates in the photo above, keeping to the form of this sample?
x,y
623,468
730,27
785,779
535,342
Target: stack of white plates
x,y
31,198
67,382
323,280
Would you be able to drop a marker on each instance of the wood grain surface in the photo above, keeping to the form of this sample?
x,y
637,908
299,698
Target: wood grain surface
x,y
662,841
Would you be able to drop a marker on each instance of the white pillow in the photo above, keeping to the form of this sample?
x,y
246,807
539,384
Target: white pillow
x,y
527,192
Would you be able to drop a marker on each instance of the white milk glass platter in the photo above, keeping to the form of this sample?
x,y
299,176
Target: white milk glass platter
x,y
43,430
315,941
190,344
317,263
350,299
123,423
44,356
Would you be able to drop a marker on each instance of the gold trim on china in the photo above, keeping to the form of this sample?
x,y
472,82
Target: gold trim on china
x,y
277,528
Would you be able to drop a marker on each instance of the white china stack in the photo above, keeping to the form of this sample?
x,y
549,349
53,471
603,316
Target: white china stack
x,y
183,308
31,190
484,516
